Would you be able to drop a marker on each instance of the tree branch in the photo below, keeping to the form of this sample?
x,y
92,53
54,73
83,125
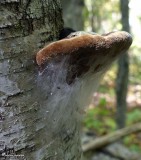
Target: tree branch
x,y
110,138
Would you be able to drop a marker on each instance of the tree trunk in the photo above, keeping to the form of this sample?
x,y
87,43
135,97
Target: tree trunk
x,y
123,70
73,14
26,127
40,109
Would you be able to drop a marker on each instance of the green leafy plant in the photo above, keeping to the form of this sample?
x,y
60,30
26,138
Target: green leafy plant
x,y
100,118
134,116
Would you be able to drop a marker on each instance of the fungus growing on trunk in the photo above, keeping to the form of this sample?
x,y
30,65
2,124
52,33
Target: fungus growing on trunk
x,y
71,68
85,52
69,73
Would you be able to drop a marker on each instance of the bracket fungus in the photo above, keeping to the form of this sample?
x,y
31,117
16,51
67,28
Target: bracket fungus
x,y
85,51
70,70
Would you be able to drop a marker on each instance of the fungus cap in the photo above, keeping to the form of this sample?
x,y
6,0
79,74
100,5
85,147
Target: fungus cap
x,y
115,41
86,51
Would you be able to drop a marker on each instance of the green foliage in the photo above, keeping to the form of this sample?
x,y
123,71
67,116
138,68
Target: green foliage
x,y
102,102
135,147
135,69
102,12
100,118
134,116
101,121
130,142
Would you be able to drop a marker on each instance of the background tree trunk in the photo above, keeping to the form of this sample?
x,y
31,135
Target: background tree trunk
x,y
26,125
73,14
123,70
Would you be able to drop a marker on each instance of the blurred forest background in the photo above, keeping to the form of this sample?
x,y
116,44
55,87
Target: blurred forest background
x,y
118,101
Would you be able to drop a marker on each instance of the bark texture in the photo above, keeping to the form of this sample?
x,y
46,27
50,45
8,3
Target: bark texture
x,y
40,114
25,127
123,70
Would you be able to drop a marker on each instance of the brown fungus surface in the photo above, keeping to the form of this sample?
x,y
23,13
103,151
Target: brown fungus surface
x,y
85,51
